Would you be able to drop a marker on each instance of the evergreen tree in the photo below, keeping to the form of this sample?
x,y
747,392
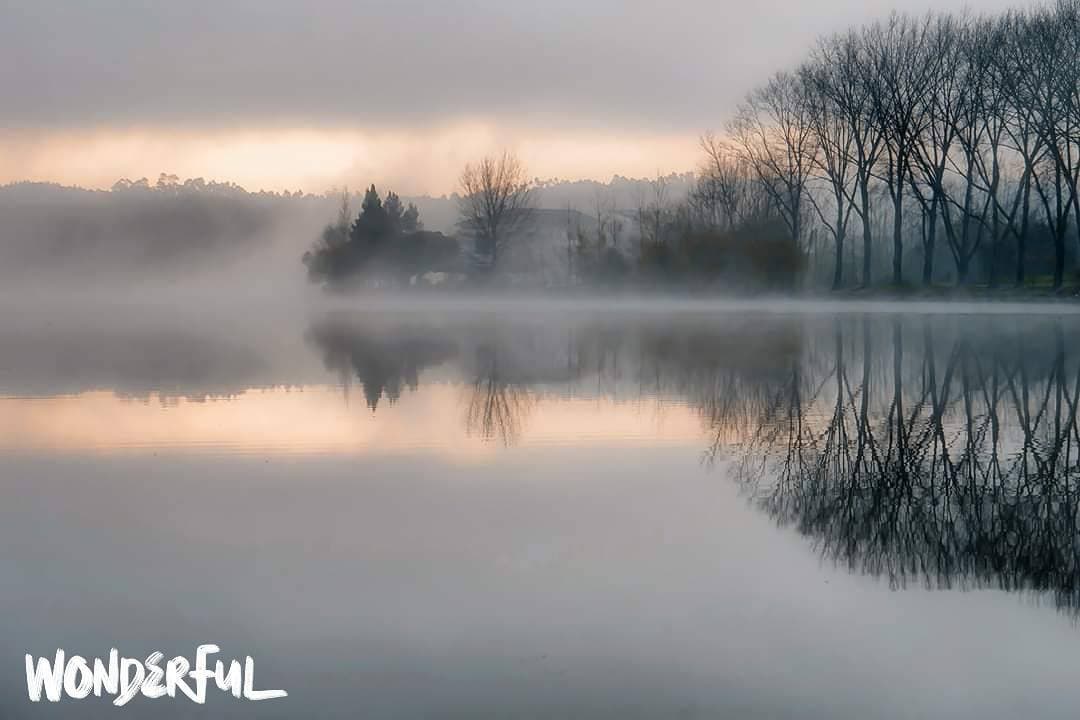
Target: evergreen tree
x,y
372,225
394,212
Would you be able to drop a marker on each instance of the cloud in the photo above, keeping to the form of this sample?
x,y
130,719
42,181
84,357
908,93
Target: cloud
x,y
635,64
312,93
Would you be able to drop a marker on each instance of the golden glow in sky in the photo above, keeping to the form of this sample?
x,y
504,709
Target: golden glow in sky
x,y
412,161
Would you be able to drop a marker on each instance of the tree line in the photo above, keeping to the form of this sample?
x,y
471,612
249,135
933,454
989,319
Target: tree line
x,y
662,243
73,237
916,141
912,150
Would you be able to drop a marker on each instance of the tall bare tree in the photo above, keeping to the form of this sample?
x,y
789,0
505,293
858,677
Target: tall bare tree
x,y
899,70
975,118
964,95
496,200
773,132
943,101
1049,74
848,89
834,138
1000,175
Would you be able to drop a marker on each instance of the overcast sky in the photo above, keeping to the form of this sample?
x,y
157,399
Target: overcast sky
x,y
278,93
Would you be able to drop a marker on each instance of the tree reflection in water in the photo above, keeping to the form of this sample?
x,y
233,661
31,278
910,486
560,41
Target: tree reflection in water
x,y
497,408
933,450
509,365
930,451
385,358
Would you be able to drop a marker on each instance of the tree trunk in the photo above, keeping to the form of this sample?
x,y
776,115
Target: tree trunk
x,y
963,266
930,246
1059,257
997,232
1021,238
1059,234
796,223
1076,214
898,240
867,233
838,271
992,272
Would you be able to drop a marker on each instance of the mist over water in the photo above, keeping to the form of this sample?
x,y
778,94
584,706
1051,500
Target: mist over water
x,y
600,508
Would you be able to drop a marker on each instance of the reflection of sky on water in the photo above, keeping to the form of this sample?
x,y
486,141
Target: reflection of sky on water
x,y
322,420
527,523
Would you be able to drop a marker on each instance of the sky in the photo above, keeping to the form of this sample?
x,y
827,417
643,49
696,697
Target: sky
x,y
291,94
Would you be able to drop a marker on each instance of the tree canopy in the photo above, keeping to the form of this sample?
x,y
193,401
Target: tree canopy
x,y
385,240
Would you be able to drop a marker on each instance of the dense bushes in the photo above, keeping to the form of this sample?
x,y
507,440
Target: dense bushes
x,y
756,255
753,256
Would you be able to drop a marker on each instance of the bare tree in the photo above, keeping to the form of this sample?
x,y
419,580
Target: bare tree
x,y
1002,171
1021,122
849,91
976,118
496,199
1046,87
773,133
903,68
653,212
835,141
728,193
943,106
899,70
1069,14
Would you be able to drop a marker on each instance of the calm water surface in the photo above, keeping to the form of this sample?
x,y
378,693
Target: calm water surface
x,y
440,512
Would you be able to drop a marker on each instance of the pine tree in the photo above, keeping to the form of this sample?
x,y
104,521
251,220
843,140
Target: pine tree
x,y
373,224
394,212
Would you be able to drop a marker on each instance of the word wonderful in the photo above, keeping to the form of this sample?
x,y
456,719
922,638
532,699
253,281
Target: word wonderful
x,y
122,678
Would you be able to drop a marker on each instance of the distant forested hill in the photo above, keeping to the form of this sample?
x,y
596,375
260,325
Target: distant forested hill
x,y
47,230
143,229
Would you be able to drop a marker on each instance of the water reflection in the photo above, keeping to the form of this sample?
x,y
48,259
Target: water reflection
x,y
498,406
508,367
167,361
385,358
930,450
937,452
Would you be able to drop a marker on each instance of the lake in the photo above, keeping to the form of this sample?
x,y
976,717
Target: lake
x,y
504,509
